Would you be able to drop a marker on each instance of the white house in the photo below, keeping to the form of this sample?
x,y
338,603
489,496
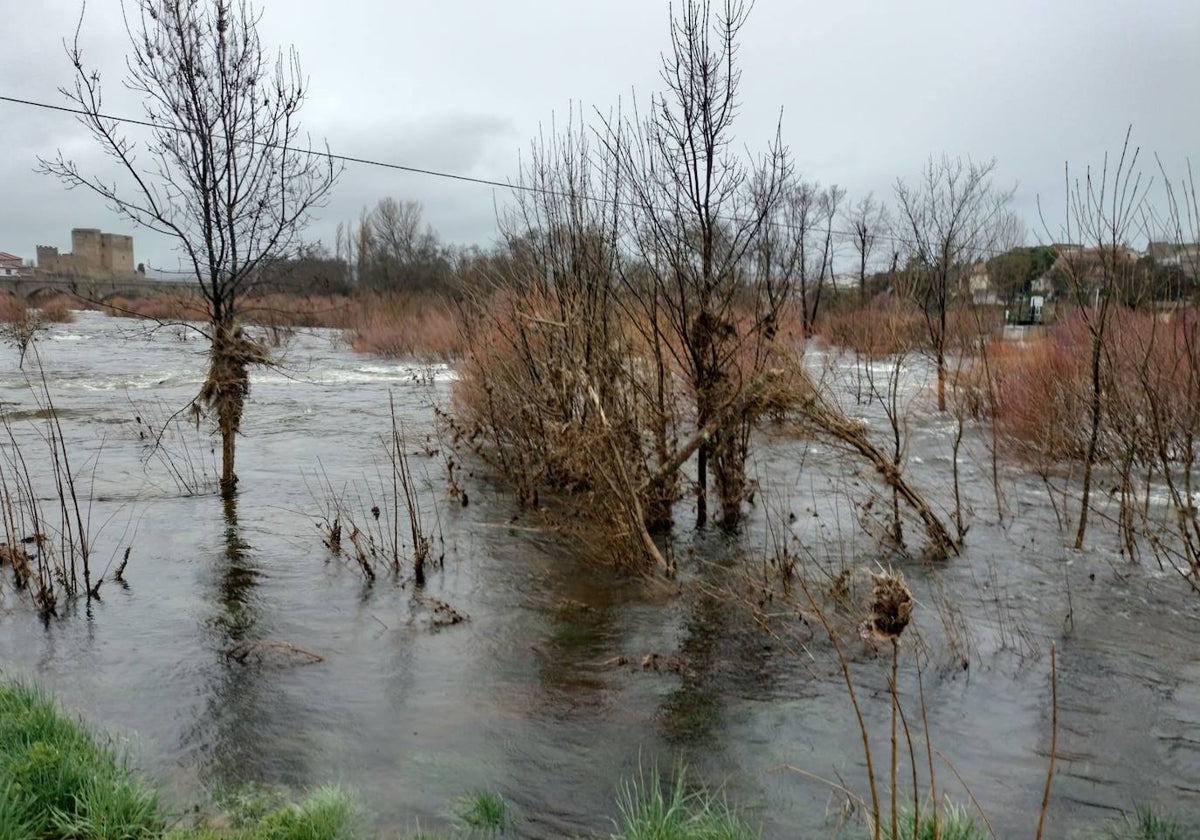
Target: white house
x,y
11,265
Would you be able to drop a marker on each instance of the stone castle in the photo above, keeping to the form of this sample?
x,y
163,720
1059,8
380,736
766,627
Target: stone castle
x,y
94,255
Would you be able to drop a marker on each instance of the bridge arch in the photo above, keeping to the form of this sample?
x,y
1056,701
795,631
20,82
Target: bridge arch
x,y
37,295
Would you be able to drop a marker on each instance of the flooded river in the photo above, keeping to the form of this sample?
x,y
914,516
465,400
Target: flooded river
x,y
523,697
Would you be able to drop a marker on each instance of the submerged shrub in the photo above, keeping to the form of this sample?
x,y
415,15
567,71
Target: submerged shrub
x,y
57,310
404,326
1150,384
12,309
885,327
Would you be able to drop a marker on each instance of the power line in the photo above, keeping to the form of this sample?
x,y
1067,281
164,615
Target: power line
x,y
416,170
79,112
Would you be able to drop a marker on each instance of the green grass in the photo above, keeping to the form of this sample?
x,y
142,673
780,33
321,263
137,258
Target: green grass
x,y
953,823
485,811
1147,824
647,812
325,814
58,780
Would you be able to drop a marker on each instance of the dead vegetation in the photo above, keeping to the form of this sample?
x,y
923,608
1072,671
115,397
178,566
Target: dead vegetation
x,y
20,325
381,526
45,512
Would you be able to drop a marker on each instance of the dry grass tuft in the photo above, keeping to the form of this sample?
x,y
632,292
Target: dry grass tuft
x,y
885,327
180,307
891,606
405,326
58,310
13,309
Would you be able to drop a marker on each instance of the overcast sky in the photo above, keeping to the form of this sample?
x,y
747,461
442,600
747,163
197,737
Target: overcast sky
x,y
868,90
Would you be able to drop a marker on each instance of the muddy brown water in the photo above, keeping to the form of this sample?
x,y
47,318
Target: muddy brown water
x,y
519,698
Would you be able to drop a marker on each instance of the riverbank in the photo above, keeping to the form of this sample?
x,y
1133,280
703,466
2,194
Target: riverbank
x,y
59,780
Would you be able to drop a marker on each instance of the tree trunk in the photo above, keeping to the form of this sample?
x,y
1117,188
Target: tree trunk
x,y
228,476
1093,443
225,389
941,377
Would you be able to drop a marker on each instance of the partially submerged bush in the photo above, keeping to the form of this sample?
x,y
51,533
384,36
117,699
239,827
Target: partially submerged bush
x,y
1150,380
184,306
485,811
12,309
885,327
58,310
284,310
404,326
565,398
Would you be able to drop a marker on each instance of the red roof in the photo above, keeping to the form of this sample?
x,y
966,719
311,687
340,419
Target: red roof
x,y
6,257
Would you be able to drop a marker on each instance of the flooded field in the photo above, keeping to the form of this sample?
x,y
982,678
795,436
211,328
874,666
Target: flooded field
x,y
524,696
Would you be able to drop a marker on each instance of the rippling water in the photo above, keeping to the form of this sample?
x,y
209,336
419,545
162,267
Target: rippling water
x,y
518,698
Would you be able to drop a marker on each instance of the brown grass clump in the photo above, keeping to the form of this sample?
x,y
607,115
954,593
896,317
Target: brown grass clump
x,y
1043,385
885,327
180,307
890,608
305,311
58,310
13,309
405,326
1042,395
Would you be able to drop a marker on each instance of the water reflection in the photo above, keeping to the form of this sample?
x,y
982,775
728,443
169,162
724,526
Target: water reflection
x,y
721,657
236,583
244,732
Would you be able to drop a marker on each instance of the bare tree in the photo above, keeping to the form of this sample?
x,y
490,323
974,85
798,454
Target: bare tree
x,y
948,221
221,171
828,202
867,220
346,250
798,219
1105,211
801,238
698,212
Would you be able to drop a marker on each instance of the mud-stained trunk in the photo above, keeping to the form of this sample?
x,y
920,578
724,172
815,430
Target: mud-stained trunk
x,y
730,468
226,388
228,428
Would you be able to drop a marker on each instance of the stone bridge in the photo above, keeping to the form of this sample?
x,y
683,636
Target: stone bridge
x,y
39,287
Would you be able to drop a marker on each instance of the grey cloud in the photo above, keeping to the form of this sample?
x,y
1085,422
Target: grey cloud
x,y
869,90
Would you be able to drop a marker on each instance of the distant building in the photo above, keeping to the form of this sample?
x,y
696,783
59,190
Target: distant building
x,y
1186,255
1078,266
93,254
11,265
980,285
